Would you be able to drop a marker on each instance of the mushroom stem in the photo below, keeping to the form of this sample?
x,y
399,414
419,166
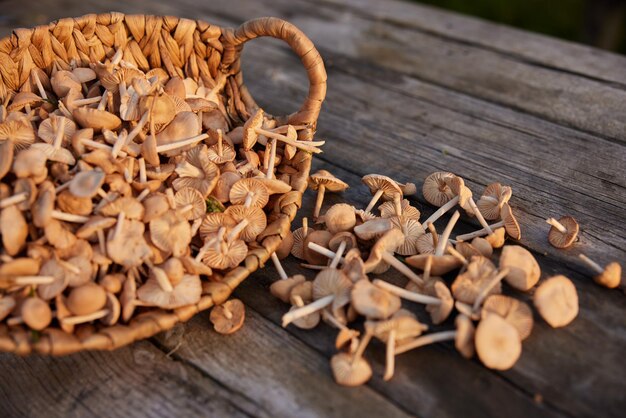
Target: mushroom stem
x,y
69,217
594,266
58,139
442,210
143,177
141,196
194,226
220,148
42,91
137,129
305,310
390,355
13,200
479,216
318,201
433,234
227,313
32,280
286,140
87,101
479,233
427,267
97,145
453,252
181,143
312,266
441,245
270,164
558,225
333,321
406,294
279,267
161,277
103,100
362,346
248,200
402,268
120,141
81,319
305,227
397,202
101,242
338,254
425,340
375,198
485,290
324,251
237,229
120,224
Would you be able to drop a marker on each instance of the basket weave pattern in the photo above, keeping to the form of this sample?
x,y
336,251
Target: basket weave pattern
x,y
183,48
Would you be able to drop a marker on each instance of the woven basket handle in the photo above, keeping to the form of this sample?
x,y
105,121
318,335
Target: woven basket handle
x,y
301,45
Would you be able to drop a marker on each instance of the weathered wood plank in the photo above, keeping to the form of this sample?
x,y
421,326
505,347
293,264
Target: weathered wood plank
x,y
282,374
137,381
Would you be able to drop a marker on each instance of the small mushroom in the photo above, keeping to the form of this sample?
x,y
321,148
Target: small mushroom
x,y
493,198
563,232
228,317
321,239
197,171
388,210
281,289
524,271
372,301
373,228
190,196
557,301
515,312
36,313
509,222
610,276
249,192
498,343
253,128
468,285
412,230
383,251
382,187
340,218
299,236
159,290
322,181
249,222
86,299
350,370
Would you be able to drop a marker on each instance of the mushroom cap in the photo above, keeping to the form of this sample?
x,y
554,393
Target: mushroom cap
x,y
21,266
275,186
89,117
250,135
559,239
373,228
112,283
23,98
171,233
436,190
30,162
467,250
52,268
36,313
386,244
28,186
557,301
515,312
7,304
63,81
128,248
258,192
303,291
412,230
281,289
48,129
403,322
114,309
348,237
186,292
498,343
93,225
441,264
332,282
162,108
348,371
468,285
441,312
377,182
224,183
483,246
457,185
309,321
319,237
372,301
464,338
510,223
18,132
228,317
425,243
492,200
339,218
198,158
87,183
83,271
232,253
257,221
524,271
189,196
496,240
132,208
195,267
14,230
353,266
86,299
59,234
297,250
326,179
183,125
284,249
388,210
6,157
212,223
161,172
611,277
155,205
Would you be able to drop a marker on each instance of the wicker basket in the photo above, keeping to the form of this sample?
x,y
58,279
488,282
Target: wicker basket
x,y
183,48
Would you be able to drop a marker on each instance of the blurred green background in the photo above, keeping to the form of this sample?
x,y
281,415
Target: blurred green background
x,y
601,23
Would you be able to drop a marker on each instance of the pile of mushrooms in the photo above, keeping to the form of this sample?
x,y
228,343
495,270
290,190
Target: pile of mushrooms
x,y
120,189
449,275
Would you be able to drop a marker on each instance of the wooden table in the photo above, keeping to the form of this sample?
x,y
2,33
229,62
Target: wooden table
x,y
411,90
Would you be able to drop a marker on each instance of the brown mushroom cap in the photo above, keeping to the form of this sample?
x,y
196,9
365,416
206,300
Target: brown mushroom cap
x,y
524,271
515,312
557,301
128,248
189,196
440,312
377,182
171,233
372,301
250,135
326,179
281,289
22,99
435,189
86,299
340,218
255,217
88,117
412,230
332,282
560,239
510,223
49,128
14,230
498,343
349,371
184,125
226,255
7,304
87,183
373,228
284,249
388,210
611,277
496,240
197,171
468,285
155,205
228,317
18,133
320,238
483,246
249,188
441,264
492,200
186,292
36,313
464,338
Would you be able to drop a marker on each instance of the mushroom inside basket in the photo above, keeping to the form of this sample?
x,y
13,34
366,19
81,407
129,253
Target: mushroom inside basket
x,y
140,182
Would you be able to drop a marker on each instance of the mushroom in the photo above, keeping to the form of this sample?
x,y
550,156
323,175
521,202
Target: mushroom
x,y
515,312
382,186
97,118
557,301
383,250
221,254
492,200
249,192
125,243
563,232
321,240
408,295
509,222
35,313
88,184
281,289
250,222
610,276
299,236
468,285
171,233
321,181
373,228
14,230
159,290
388,210
350,370
331,286
340,218
190,196
221,153
197,171
498,343
372,301
253,128
18,133
150,151
412,230
463,338
228,317
86,299
524,271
